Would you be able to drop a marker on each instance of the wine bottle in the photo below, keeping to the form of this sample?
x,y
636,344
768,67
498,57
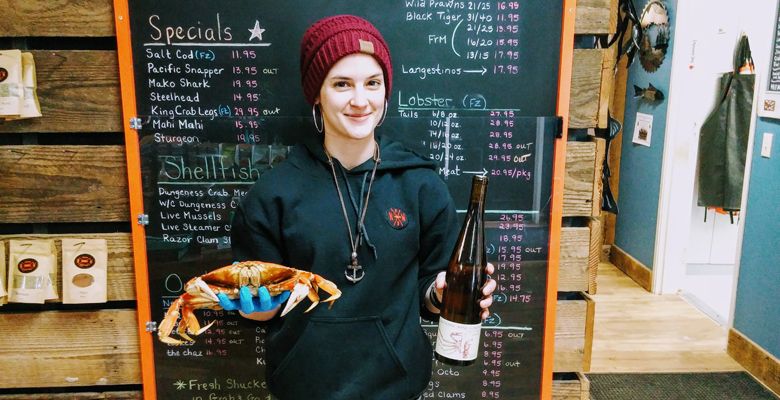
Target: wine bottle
x,y
457,342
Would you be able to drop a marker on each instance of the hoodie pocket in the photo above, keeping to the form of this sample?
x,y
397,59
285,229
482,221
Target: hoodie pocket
x,y
339,358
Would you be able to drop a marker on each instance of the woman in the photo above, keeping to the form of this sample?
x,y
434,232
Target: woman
x,y
361,211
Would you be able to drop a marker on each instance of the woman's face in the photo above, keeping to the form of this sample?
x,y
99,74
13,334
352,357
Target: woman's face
x,y
352,97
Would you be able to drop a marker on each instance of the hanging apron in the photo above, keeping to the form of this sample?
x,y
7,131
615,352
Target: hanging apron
x,y
724,137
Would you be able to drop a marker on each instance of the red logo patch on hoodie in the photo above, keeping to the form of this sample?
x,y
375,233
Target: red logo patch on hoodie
x,y
397,218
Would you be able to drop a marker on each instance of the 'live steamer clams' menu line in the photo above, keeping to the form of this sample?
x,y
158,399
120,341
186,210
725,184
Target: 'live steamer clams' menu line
x,y
216,88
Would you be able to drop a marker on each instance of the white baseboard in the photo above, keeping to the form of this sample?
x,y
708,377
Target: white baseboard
x,y
704,308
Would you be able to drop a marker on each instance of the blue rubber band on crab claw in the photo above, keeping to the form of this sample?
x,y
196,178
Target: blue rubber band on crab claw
x,y
226,303
245,299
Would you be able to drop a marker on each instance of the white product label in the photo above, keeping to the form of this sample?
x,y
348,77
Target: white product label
x,y
458,341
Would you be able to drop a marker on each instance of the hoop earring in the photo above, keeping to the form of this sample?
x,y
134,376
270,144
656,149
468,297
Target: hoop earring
x,y
384,115
321,125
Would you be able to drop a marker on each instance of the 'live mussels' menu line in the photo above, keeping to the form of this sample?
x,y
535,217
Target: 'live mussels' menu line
x,y
220,103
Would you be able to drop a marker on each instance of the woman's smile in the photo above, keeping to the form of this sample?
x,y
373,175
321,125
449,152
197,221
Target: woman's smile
x,y
361,117
352,99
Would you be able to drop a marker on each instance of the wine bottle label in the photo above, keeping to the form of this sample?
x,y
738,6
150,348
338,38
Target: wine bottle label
x,y
458,341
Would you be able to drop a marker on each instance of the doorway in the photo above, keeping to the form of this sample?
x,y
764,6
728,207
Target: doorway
x,y
695,258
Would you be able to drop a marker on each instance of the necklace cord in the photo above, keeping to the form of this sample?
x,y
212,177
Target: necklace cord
x,y
361,229
343,207
353,242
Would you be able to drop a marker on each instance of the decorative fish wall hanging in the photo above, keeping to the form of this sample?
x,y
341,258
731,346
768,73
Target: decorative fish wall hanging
x,y
651,93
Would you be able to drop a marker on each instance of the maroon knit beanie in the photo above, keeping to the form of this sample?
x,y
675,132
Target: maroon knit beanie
x,y
332,38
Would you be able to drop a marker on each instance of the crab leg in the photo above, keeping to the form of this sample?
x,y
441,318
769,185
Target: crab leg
x,y
167,324
182,331
313,297
328,287
189,324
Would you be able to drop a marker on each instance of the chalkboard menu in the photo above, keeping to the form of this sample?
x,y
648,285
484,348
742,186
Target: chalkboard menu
x,y
219,102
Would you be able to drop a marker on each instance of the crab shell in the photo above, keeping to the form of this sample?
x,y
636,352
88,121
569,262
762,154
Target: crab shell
x,y
201,293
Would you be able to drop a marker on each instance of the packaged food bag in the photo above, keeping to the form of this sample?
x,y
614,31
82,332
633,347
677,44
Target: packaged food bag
x,y
31,108
84,271
11,88
32,276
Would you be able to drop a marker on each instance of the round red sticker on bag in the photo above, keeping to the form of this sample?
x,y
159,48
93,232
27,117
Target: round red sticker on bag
x,y
84,261
27,265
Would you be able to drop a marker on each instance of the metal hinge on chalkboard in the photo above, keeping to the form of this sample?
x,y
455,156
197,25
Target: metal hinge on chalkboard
x,y
136,123
143,219
151,326
559,127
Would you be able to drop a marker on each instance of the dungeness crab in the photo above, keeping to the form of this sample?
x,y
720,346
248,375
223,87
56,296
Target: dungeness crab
x,y
201,293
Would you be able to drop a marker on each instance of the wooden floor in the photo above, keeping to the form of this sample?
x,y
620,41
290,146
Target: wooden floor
x,y
637,331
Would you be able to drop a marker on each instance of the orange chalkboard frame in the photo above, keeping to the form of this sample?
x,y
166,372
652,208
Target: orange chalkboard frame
x,y
559,166
127,85
129,107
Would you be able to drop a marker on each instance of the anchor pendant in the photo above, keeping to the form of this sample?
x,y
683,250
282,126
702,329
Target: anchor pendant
x,y
356,273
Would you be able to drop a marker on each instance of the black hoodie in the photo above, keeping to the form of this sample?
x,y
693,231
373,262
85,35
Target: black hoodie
x,y
369,345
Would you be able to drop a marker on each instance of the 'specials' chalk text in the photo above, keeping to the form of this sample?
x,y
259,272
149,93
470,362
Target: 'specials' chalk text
x,y
171,34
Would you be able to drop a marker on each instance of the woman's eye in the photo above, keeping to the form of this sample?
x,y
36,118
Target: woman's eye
x,y
374,83
341,84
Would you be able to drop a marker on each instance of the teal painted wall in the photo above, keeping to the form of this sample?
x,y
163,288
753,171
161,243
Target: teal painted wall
x,y
640,166
756,312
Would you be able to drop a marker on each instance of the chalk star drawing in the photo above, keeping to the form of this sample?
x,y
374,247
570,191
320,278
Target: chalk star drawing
x,y
256,32
180,385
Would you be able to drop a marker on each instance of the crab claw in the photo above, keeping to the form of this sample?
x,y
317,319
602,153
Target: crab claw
x,y
204,287
299,292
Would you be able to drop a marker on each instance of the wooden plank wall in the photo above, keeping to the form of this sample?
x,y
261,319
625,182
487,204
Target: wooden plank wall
x,y
79,92
63,175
